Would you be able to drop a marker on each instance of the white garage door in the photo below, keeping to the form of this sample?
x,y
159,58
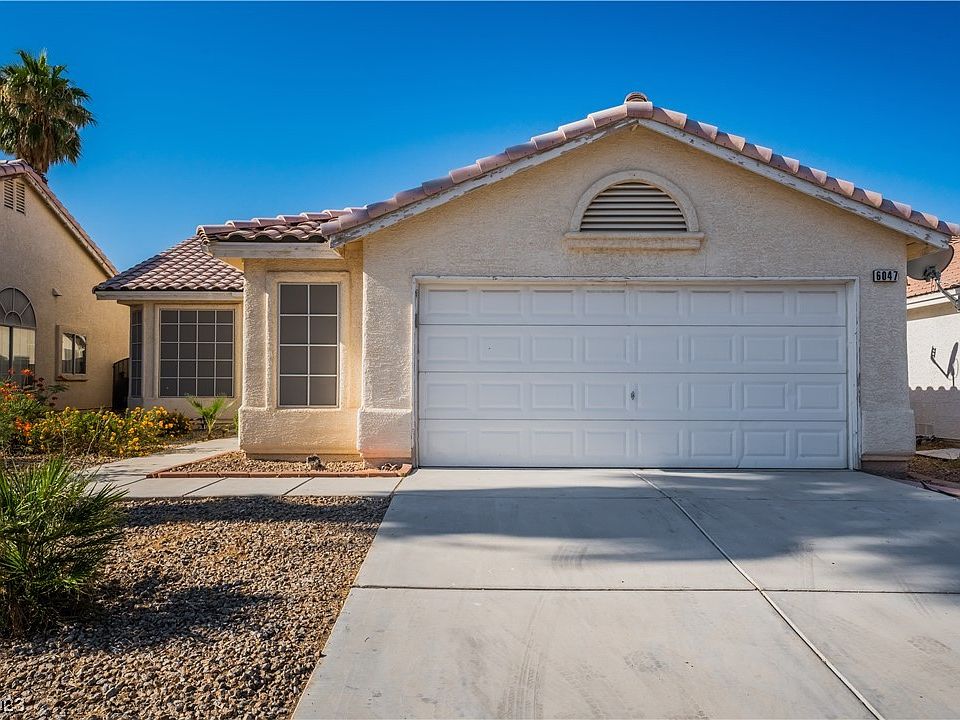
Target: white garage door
x,y
631,375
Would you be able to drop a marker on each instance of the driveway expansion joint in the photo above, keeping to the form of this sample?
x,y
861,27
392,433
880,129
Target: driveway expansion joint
x,y
793,626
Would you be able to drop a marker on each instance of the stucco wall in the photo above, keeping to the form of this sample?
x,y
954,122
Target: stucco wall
x,y
39,255
266,429
934,397
151,354
753,227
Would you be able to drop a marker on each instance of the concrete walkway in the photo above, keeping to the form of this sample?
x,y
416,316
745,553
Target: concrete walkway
x,y
607,593
131,475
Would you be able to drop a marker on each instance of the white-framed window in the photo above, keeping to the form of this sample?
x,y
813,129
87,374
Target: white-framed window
x,y
73,353
308,344
196,353
136,352
18,336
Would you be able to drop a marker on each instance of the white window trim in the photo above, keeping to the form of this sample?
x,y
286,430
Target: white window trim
x,y
272,345
155,354
71,377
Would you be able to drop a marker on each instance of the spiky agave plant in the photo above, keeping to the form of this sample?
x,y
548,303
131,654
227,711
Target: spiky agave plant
x,y
56,529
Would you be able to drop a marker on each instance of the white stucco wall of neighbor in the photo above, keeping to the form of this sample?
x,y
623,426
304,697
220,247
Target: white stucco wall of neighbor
x,y
514,228
934,396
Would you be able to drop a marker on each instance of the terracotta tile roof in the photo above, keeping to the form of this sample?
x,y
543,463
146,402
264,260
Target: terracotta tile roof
x,y
185,266
304,227
949,278
634,108
19,168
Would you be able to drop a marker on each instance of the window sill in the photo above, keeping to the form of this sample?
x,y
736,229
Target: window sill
x,y
633,242
71,377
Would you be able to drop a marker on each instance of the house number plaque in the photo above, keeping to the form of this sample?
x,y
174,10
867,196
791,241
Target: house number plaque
x,y
886,275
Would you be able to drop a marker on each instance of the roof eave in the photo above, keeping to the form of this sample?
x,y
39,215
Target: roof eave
x,y
266,250
929,236
343,237
192,295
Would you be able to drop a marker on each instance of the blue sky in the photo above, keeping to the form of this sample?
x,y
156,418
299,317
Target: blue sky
x,y
210,112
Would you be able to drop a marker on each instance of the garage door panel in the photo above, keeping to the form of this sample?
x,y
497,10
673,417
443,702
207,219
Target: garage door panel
x,y
607,396
571,443
610,374
544,348
618,303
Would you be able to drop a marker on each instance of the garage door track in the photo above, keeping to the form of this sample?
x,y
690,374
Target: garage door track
x,y
618,593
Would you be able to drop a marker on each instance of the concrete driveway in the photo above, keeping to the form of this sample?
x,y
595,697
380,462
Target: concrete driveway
x,y
613,593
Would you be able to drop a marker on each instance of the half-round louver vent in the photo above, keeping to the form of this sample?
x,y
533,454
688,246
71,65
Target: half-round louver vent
x,y
633,206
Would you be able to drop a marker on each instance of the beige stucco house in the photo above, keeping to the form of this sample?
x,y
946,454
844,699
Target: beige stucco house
x,y
633,289
933,342
50,323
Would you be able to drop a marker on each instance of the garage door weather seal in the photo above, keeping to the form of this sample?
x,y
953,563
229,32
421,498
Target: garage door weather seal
x,y
799,633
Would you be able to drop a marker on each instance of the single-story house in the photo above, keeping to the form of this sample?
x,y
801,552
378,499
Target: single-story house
x,y
933,341
635,288
50,324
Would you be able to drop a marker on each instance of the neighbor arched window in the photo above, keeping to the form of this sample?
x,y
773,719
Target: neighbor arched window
x,y
18,332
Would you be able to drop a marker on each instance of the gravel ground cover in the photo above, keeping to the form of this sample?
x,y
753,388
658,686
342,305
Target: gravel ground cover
x,y
212,608
234,462
943,471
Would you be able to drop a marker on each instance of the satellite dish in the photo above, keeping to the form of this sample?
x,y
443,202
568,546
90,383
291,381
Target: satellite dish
x,y
929,266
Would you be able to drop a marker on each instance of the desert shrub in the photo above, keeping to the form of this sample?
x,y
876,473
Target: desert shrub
x,y
176,424
55,532
138,431
21,405
209,412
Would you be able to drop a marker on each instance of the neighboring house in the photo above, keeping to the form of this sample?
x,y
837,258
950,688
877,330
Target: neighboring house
x,y
185,325
633,289
933,341
50,324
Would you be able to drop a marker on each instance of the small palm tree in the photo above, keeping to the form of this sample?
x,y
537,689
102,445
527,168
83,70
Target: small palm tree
x,y
209,414
41,112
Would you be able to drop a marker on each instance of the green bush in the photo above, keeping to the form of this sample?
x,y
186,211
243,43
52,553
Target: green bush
x,y
138,431
55,533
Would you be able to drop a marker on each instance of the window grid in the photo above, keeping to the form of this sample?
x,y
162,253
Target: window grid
x,y
196,353
309,348
136,352
73,354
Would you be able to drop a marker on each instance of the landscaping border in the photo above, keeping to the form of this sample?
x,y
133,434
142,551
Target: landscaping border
x,y
174,471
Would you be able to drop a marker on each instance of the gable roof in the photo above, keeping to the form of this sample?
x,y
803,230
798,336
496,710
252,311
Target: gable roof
x,y
185,266
341,226
20,169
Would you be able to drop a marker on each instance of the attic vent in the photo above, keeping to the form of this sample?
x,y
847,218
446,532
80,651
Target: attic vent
x,y
15,195
633,206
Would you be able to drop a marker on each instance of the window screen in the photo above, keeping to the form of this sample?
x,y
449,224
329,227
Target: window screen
x,y
308,345
136,352
196,353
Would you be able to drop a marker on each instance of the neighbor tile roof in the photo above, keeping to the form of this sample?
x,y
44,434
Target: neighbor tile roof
x,y
949,278
185,266
20,168
313,227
